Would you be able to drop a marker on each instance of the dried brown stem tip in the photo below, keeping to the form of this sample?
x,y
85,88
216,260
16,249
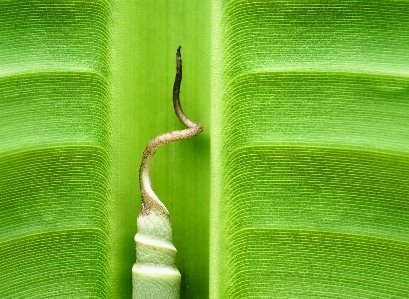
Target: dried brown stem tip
x,y
150,202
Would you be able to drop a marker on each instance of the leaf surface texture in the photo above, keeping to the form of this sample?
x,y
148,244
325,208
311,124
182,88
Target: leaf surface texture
x,y
311,148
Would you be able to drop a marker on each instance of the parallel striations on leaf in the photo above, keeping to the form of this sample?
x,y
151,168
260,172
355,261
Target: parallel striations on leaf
x,y
54,148
311,149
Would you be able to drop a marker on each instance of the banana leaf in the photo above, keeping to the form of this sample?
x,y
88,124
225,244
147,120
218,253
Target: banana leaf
x,y
297,188
310,140
84,86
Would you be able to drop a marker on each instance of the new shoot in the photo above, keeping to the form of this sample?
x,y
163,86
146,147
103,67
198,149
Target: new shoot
x,y
154,275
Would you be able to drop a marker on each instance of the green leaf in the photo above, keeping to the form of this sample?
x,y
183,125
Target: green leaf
x,y
84,86
54,153
310,149
305,105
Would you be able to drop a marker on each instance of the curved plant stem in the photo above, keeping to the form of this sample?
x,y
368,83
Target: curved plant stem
x,y
154,274
149,198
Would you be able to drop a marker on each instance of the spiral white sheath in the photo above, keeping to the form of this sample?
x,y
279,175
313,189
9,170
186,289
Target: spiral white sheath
x,y
154,275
